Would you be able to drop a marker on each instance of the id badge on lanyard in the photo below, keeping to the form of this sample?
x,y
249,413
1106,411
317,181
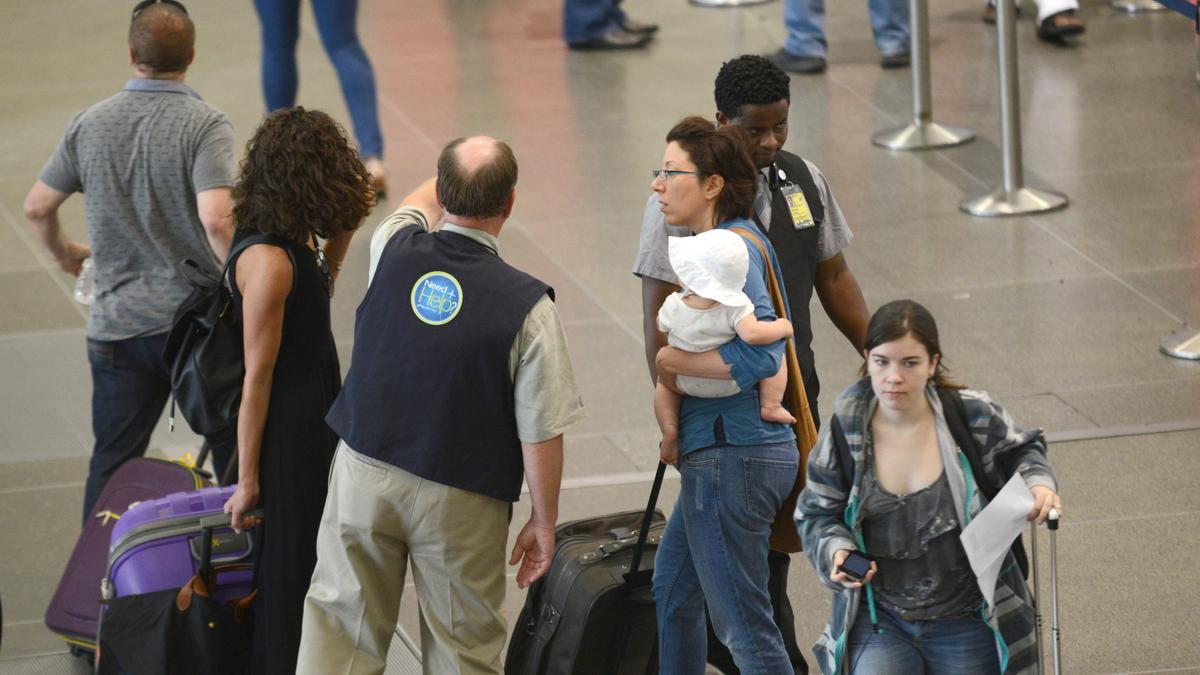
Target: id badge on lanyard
x,y
797,206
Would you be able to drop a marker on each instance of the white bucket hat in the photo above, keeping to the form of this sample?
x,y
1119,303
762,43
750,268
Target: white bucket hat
x,y
712,264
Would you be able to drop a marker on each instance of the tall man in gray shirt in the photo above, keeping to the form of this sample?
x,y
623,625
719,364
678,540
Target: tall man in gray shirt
x,y
156,165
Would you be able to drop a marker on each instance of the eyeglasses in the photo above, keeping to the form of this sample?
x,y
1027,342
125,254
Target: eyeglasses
x,y
664,174
137,9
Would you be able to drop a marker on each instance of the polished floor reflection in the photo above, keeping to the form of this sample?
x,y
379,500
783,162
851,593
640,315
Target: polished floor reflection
x,y
1057,315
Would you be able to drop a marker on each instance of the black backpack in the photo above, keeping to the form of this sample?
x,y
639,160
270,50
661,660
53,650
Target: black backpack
x,y
960,431
204,347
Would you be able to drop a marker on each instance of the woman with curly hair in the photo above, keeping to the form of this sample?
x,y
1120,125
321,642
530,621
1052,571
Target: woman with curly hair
x,y
301,182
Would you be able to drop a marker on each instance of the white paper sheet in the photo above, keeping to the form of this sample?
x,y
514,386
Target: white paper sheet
x,y
992,531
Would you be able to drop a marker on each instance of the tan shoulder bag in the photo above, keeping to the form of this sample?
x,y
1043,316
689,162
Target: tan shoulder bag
x,y
784,536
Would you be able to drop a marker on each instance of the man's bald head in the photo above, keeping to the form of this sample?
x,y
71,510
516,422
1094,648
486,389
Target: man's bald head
x,y
476,177
161,39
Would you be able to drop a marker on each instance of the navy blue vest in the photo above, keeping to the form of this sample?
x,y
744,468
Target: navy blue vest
x,y
798,259
429,388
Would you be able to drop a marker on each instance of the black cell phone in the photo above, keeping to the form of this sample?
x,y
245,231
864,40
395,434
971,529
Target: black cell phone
x,y
856,566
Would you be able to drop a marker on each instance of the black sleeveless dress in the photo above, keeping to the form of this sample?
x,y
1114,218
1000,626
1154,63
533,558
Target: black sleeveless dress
x,y
297,450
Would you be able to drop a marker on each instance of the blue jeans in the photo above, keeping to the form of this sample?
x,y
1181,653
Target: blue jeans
x,y
805,19
280,22
714,553
938,647
585,20
130,386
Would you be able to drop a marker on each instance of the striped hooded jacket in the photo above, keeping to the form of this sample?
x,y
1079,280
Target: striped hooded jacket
x,y
828,519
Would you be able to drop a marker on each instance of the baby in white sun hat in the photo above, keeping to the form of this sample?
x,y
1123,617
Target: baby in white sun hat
x,y
710,311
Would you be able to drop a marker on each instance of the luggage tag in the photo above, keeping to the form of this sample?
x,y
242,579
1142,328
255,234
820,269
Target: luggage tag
x,y
797,204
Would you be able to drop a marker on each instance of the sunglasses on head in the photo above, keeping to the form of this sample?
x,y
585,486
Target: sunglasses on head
x,y
137,9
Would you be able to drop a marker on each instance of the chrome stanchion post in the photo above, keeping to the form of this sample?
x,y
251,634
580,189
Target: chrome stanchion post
x,y
1013,198
1183,343
1135,6
922,133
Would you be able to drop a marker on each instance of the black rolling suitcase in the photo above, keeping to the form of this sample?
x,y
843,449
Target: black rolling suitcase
x,y
590,615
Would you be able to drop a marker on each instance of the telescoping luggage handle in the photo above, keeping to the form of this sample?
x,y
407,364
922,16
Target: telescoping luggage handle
x,y
207,525
1055,634
636,578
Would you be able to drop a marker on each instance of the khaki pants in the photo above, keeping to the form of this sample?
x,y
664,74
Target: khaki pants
x,y
377,518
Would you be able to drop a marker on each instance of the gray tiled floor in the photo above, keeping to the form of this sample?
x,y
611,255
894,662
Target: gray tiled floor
x,y
1057,315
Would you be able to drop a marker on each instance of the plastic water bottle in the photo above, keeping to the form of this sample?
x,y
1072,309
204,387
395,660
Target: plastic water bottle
x,y
85,284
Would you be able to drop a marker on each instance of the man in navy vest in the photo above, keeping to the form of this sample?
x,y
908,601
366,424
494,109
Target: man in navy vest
x,y
459,384
753,93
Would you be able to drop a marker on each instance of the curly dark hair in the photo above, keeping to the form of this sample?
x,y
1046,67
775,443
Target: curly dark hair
x,y
301,177
749,80
723,152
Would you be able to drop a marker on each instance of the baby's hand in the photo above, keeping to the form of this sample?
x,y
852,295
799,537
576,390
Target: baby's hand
x,y
668,450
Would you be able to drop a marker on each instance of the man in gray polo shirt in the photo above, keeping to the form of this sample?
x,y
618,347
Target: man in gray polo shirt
x,y
156,165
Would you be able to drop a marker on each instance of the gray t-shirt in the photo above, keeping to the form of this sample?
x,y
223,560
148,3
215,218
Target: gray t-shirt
x,y
833,236
140,157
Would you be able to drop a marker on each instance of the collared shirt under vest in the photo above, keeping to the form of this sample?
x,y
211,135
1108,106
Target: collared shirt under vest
x,y
433,335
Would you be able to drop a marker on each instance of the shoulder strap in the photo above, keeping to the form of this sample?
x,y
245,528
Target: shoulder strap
x,y
806,428
845,459
784,537
260,239
960,430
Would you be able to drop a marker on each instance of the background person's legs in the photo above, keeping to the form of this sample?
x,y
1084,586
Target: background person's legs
x,y
130,386
805,20
890,25
585,20
279,21
1048,8
336,22
781,607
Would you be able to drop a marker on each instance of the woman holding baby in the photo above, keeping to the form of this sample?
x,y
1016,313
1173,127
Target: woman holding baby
x,y
731,440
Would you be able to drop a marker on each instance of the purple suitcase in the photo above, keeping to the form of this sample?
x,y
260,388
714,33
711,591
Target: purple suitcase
x,y
75,608
157,545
